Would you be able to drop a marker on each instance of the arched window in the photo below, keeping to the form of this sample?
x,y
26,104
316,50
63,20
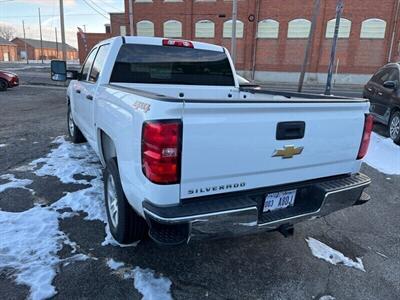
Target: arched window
x,y
299,28
205,29
173,29
268,29
145,28
344,28
373,29
227,33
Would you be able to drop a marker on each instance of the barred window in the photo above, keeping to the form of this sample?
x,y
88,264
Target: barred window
x,y
344,28
145,28
205,29
299,28
373,29
227,32
268,29
173,29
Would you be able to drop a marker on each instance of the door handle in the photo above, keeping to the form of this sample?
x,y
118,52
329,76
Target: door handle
x,y
290,130
78,91
89,97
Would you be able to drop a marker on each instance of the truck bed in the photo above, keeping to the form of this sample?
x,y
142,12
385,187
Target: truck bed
x,y
248,95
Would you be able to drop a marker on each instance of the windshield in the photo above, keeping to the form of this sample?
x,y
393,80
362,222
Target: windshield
x,y
171,65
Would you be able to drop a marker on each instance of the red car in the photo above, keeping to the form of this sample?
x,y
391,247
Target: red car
x,y
8,80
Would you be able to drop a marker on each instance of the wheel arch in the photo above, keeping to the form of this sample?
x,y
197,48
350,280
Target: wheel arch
x,y
107,149
393,110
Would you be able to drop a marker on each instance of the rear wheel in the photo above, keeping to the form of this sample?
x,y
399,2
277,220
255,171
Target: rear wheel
x,y
74,132
3,85
394,127
126,225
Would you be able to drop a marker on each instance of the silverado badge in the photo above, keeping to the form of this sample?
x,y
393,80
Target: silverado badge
x,y
288,151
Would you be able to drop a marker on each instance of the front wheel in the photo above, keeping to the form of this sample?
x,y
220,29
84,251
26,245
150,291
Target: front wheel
x,y
74,132
394,127
126,226
3,85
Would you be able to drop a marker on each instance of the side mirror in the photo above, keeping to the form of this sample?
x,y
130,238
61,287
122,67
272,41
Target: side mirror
x,y
58,70
72,74
393,85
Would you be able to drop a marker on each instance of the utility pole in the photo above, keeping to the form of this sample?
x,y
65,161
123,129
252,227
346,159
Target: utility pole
x,y
131,28
26,51
309,44
64,50
233,38
55,30
339,11
41,40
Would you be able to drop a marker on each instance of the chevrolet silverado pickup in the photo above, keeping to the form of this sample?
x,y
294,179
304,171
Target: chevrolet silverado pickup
x,y
189,153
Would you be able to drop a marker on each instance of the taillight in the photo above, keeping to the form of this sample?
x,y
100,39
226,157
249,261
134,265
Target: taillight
x,y
161,151
177,43
366,137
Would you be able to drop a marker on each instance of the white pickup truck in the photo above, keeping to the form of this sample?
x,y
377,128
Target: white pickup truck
x,y
188,152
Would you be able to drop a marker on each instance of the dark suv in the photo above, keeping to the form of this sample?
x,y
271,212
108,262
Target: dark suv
x,y
383,91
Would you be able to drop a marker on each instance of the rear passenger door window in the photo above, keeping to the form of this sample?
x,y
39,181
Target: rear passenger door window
x,y
98,63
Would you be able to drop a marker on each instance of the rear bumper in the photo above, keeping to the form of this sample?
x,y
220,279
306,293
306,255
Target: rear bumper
x,y
241,212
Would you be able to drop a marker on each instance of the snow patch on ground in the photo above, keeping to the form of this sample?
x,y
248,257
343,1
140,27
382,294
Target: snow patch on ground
x,y
114,265
14,183
89,200
150,286
332,256
68,160
383,155
145,280
24,168
327,297
31,239
29,243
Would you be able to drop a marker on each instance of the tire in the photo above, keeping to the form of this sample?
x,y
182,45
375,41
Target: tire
x,y
74,132
3,85
394,127
126,226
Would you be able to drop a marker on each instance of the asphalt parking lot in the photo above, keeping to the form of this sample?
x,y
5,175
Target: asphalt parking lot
x,y
264,266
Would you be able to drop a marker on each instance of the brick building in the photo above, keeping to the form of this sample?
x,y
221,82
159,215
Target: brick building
x,y
51,50
272,35
8,50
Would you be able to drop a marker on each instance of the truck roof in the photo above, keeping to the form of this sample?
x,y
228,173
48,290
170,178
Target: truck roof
x,y
158,41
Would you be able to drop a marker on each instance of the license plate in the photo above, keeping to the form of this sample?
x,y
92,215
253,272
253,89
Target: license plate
x,y
279,200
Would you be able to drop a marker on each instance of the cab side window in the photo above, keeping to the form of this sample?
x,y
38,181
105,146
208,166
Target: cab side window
x,y
98,63
382,76
394,75
88,63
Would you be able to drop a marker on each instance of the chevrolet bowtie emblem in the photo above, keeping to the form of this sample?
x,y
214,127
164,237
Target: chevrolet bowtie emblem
x,y
288,152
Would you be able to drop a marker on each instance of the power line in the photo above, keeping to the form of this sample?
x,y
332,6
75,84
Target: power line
x,y
108,4
100,13
96,5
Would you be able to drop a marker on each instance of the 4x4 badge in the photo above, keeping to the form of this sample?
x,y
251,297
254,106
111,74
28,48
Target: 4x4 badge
x,y
288,151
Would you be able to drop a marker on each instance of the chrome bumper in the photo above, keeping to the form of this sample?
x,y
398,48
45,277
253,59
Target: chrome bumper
x,y
241,213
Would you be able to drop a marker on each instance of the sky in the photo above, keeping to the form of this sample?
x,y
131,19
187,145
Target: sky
x,y
76,13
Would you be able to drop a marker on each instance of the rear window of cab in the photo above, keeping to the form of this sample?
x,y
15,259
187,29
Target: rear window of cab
x,y
137,63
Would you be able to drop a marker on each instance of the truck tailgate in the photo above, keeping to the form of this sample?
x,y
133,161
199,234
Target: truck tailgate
x,y
233,146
